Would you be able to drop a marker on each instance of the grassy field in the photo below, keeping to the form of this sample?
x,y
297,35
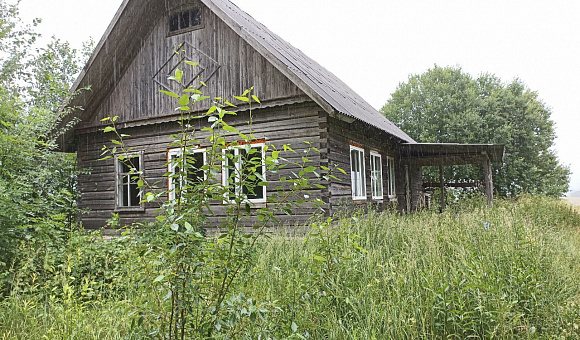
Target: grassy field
x,y
510,272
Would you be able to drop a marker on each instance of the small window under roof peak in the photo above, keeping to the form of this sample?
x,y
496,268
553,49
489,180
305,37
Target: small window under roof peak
x,y
185,20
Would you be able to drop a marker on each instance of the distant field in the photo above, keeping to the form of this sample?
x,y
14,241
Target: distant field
x,y
573,200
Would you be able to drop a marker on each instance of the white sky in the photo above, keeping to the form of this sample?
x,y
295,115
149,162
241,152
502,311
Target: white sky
x,y
373,45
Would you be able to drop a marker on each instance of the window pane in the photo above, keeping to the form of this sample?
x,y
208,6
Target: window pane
x,y
127,188
173,23
184,20
194,168
229,172
123,191
125,168
252,164
196,17
134,192
357,172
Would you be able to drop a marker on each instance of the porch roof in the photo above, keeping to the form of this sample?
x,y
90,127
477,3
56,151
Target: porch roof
x,y
426,154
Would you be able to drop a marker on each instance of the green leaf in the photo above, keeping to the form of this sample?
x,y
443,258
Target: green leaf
x,y
202,98
242,99
256,99
229,128
178,75
174,227
170,94
109,129
188,226
294,327
190,63
159,278
184,100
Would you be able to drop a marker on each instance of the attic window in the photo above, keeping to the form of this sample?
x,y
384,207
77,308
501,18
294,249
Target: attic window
x,y
184,20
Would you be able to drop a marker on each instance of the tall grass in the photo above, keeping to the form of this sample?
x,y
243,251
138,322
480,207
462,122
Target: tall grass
x,y
509,272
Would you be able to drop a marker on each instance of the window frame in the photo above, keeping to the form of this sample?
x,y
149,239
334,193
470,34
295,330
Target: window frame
x,y
361,158
238,166
179,12
374,155
171,168
119,185
391,187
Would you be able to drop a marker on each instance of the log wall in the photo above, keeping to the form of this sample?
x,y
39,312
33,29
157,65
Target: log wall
x,y
291,124
341,134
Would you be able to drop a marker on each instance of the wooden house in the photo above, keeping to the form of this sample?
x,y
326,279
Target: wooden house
x,y
300,101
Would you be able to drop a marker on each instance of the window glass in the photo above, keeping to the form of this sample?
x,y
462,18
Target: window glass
x,y
243,167
391,181
184,19
357,172
173,22
128,173
194,173
196,17
376,175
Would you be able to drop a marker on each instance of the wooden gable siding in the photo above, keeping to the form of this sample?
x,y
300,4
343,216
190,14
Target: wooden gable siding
x,y
290,124
136,94
341,135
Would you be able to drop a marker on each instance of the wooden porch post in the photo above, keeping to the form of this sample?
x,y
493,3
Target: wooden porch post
x,y
407,190
442,187
488,180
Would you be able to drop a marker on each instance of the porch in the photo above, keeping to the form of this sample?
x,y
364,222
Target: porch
x,y
419,155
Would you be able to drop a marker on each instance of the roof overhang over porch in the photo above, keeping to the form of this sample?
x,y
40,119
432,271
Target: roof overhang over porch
x,y
445,154
434,154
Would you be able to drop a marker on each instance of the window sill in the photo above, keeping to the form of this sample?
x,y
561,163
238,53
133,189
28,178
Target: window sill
x,y
130,209
359,199
185,30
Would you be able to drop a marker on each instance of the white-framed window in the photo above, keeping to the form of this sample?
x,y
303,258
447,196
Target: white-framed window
x,y
391,182
192,165
357,173
376,175
128,173
243,171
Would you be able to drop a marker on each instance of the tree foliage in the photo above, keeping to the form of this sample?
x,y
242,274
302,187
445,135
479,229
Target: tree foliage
x,y
447,105
37,184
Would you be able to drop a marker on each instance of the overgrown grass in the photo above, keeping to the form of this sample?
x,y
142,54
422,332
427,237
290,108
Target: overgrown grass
x,y
510,272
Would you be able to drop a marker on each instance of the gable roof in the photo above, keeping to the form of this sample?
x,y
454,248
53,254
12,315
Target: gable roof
x,y
333,95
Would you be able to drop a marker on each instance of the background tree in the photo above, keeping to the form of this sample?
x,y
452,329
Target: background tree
x,y
37,184
446,105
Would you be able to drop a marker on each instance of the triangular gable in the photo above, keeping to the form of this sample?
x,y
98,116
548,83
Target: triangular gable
x,y
114,53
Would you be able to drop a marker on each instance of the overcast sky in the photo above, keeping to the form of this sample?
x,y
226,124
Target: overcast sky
x,y
374,45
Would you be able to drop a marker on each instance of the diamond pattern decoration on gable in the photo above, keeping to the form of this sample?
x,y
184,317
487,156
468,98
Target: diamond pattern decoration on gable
x,y
204,71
